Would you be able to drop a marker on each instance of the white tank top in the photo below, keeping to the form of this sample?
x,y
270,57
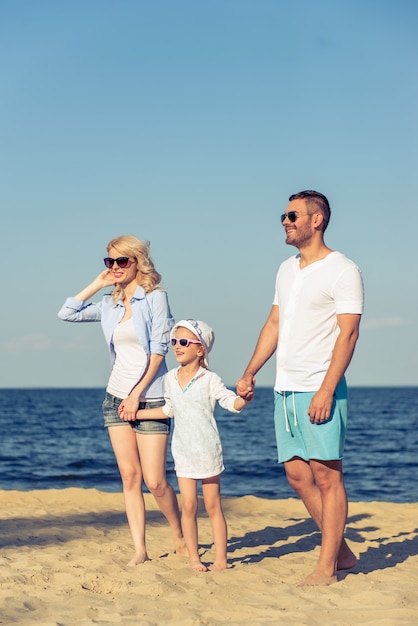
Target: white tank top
x,y
130,359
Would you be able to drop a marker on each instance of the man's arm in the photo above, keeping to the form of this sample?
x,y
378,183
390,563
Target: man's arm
x,y
264,349
321,404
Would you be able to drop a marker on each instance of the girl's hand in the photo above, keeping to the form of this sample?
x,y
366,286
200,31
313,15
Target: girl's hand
x,y
128,408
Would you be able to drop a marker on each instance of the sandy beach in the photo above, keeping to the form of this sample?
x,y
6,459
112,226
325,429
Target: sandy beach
x,y
63,556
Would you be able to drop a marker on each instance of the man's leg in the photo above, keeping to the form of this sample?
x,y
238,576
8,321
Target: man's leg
x,y
320,486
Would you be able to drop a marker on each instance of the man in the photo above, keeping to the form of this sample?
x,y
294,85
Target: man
x,y
313,326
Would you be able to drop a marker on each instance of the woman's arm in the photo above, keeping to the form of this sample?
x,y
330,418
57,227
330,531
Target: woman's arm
x,y
162,322
104,279
159,334
74,309
128,407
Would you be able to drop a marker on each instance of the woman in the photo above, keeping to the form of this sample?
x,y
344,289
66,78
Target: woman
x,y
136,322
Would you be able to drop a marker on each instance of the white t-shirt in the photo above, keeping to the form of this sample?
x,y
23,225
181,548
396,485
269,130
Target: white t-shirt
x,y
196,445
130,361
309,301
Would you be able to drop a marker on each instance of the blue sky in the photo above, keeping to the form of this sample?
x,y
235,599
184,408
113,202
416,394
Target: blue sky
x,y
189,124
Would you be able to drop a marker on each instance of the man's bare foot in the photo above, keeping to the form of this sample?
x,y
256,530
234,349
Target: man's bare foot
x,y
317,579
138,558
218,567
198,566
346,558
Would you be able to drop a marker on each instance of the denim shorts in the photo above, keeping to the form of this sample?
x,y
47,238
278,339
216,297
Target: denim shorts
x,y
143,427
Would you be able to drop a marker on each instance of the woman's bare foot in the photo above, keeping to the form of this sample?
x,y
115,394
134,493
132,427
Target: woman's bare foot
x,y
198,566
138,558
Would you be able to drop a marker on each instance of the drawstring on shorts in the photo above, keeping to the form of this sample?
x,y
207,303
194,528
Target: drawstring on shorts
x,y
286,418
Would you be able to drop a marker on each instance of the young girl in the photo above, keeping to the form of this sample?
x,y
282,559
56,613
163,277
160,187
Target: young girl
x,y
191,392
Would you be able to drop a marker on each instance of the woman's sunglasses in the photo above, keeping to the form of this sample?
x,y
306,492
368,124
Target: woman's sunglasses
x,y
122,261
185,343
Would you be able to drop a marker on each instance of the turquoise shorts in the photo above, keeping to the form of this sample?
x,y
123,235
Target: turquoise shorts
x,y
297,437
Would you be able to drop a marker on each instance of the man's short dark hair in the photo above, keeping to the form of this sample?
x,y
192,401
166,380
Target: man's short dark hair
x,y
316,201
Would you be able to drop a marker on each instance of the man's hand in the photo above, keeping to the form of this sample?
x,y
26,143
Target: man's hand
x,y
320,407
245,387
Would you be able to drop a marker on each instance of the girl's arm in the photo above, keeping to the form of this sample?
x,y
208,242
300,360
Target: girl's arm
x,y
149,414
228,400
240,403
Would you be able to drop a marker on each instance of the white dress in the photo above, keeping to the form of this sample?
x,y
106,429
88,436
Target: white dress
x,y
196,446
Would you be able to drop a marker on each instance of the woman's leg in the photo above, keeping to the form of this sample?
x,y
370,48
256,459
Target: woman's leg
x,y
123,441
189,505
211,488
153,454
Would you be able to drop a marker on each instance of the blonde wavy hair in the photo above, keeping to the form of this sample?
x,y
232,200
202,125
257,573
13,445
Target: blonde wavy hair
x,y
147,276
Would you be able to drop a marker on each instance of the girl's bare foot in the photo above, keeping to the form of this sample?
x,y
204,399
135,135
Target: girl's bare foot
x,y
317,579
138,558
218,566
198,566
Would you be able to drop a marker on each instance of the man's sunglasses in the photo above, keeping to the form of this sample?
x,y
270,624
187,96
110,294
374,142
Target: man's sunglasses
x,y
183,342
292,216
122,261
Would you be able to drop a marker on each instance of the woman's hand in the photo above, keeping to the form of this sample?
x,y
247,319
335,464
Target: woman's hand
x,y
128,408
104,279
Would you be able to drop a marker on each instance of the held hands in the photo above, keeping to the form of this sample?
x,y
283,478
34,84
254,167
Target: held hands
x,y
245,387
128,408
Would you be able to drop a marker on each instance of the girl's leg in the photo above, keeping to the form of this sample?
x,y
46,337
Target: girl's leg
x,y
189,504
153,454
123,441
211,488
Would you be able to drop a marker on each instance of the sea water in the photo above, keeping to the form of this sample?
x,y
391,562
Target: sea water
x,y
54,438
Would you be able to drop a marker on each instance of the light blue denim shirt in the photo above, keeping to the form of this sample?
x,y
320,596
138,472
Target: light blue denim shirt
x,y
152,322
